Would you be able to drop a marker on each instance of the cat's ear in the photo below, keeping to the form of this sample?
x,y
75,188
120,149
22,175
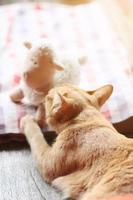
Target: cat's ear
x,y
28,45
102,94
64,109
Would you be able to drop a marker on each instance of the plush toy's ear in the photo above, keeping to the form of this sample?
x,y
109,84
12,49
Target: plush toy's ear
x,y
58,66
28,45
102,94
64,109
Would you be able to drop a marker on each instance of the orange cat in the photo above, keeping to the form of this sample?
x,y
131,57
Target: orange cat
x,y
89,160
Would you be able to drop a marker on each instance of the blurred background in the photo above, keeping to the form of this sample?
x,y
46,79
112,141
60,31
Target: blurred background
x,y
100,29
61,1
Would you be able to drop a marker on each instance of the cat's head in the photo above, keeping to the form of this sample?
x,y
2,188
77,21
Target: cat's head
x,y
66,102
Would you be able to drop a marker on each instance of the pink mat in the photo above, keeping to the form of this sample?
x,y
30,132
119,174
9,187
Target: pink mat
x,y
85,29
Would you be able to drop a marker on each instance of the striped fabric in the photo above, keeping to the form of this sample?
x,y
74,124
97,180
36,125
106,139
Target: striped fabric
x,y
85,29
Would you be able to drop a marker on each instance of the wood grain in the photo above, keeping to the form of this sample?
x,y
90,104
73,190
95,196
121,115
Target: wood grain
x,y
19,179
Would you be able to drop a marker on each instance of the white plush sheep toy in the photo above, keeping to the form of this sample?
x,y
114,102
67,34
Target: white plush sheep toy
x,y
44,69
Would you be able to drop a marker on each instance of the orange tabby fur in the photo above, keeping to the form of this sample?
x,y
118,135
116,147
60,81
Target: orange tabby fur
x,y
89,159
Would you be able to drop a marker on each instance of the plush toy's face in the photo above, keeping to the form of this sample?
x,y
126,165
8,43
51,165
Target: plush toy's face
x,y
65,102
40,67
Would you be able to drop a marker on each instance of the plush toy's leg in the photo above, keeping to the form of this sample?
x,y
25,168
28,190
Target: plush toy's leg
x,y
17,95
40,115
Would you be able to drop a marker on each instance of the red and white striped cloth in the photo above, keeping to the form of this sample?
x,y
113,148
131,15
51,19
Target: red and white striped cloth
x,y
84,28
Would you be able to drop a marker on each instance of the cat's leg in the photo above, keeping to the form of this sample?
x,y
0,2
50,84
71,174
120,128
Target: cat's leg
x,y
72,185
49,160
53,161
35,139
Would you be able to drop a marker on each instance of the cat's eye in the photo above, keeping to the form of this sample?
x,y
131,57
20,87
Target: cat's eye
x,y
49,98
65,94
89,101
49,101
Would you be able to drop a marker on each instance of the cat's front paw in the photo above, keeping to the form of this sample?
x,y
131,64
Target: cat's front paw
x,y
26,120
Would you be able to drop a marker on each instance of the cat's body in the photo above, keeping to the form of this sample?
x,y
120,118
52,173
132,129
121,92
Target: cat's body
x,y
90,159
103,165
